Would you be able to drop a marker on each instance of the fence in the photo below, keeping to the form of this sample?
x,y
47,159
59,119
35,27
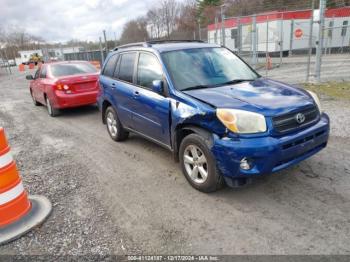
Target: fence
x,y
99,55
5,66
284,45
96,55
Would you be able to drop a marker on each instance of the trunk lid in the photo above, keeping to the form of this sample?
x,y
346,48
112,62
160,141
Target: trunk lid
x,y
80,83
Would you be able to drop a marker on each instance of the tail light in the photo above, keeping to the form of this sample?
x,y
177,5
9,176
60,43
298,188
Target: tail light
x,y
63,87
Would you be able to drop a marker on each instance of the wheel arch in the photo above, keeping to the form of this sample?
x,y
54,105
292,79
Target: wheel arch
x,y
182,131
105,105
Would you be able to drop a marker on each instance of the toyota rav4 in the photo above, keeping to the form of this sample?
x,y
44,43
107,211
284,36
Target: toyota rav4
x,y
222,121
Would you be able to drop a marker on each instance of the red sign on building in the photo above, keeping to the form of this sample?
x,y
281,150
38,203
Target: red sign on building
x,y
298,33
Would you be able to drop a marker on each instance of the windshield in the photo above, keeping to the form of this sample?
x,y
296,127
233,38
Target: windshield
x,y
205,67
72,69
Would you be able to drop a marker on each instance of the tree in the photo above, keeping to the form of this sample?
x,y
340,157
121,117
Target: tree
x,y
155,22
14,38
187,21
170,12
134,31
207,10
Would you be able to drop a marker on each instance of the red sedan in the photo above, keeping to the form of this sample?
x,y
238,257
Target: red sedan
x,y
64,84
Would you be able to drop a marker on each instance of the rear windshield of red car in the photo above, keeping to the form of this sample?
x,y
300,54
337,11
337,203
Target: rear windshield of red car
x,y
72,69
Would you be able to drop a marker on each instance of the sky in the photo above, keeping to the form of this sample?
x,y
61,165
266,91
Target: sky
x,y
63,20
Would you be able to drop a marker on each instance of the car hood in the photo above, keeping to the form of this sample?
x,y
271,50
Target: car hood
x,y
263,96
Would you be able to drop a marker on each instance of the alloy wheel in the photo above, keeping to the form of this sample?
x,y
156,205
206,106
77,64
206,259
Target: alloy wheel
x,y
49,108
112,124
196,164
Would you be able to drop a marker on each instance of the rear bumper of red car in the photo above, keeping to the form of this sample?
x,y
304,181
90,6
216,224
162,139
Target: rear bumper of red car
x,y
64,100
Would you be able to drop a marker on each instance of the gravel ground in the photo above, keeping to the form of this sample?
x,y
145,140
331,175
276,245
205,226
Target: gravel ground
x,y
131,198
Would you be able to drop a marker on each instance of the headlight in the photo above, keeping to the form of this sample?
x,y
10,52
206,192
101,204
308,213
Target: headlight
x,y
315,98
239,121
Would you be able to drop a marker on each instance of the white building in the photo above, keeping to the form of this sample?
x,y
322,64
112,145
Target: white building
x,y
57,53
26,54
283,31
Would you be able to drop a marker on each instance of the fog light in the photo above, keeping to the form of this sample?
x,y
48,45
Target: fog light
x,y
245,164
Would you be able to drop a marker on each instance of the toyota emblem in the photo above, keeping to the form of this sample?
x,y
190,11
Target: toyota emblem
x,y
300,118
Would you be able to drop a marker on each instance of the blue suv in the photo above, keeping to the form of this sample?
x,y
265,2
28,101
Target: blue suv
x,y
221,120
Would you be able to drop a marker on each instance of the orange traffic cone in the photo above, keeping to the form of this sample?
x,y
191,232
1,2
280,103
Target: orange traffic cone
x,y
268,62
96,64
21,68
18,214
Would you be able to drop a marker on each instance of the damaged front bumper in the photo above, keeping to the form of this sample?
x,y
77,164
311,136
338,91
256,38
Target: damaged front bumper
x,y
267,154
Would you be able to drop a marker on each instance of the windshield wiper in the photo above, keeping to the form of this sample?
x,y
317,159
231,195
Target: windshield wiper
x,y
235,81
196,87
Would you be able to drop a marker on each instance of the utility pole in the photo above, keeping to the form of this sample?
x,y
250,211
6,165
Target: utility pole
x,y
222,25
291,38
267,45
320,41
238,45
254,41
216,29
199,29
101,50
310,41
105,38
281,38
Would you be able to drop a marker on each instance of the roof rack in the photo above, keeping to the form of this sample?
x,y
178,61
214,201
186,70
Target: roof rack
x,y
153,42
144,44
173,41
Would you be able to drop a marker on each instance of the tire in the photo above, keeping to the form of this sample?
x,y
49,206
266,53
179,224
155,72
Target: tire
x,y
114,127
36,103
51,110
197,144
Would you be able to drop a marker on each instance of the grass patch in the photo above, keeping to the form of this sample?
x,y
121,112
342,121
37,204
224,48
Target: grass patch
x,y
332,89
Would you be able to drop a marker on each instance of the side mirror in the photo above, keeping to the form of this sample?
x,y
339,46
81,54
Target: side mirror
x,y
157,86
29,77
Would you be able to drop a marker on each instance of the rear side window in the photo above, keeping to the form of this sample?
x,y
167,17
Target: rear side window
x,y
72,69
148,70
126,68
110,66
37,73
43,72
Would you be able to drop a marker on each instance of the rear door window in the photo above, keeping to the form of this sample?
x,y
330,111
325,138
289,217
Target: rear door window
x,y
126,67
110,66
72,69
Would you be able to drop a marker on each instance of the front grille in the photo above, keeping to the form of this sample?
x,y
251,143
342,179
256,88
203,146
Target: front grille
x,y
288,122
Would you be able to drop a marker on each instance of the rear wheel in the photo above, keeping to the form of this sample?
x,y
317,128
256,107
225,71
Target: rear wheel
x,y
199,165
114,127
36,103
50,109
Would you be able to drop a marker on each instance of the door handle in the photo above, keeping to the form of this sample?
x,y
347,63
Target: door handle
x,y
136,94
113,85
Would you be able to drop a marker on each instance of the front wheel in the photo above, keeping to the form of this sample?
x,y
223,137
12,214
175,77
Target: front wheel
x,y
114,126
50,109
199,165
